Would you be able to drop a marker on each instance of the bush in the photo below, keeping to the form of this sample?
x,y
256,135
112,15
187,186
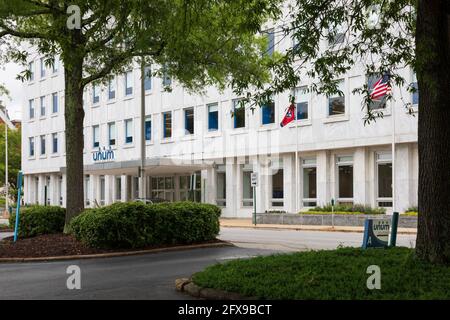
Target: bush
x,y
355,209
37,220
135,224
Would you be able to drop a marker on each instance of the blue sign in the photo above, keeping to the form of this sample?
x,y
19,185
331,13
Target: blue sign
x,y
376,233
103,155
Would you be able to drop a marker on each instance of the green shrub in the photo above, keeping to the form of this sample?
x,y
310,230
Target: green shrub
x,y
355,209
37,220
135,224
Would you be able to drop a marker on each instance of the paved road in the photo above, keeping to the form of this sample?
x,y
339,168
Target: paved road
x,y
291,240
152,276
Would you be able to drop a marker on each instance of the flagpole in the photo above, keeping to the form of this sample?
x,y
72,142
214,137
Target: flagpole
x,y
393,158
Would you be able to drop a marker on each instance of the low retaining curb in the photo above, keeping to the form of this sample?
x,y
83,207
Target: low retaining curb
x,y
117,254
189,287
340,220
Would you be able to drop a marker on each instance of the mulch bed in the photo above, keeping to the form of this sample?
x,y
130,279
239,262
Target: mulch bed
x,y
52,245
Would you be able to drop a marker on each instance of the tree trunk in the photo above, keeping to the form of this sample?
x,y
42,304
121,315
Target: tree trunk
x,y
74,115
433,73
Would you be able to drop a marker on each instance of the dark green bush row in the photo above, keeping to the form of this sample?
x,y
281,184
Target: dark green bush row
x,y
357,208
36,220
134,224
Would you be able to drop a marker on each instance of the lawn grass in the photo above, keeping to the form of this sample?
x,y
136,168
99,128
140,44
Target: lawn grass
x,y
330,274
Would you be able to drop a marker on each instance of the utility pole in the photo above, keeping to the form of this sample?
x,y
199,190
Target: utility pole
x,y
142,184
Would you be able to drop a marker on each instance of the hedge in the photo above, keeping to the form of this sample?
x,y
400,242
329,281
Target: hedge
x,y
135,224
36,220
356,209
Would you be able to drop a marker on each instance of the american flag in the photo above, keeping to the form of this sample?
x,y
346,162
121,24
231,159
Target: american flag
x,y
380,88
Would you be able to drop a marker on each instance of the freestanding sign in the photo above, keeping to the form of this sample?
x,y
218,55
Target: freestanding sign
x,y
376,233
254,179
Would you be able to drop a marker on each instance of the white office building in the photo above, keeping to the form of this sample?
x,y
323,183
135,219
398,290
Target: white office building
x,y
327,153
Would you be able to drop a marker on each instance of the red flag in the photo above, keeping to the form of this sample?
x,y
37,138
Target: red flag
x,y
289,116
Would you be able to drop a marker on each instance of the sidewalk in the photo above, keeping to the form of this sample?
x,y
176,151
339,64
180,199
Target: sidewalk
x,y
247,223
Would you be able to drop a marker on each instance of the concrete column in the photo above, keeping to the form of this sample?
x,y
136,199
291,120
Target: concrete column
x,y
109,185
124,188
211,185
360,176
40,191
323,177
403,172
231,209
26,187
263,188
52,190
93,189
289,183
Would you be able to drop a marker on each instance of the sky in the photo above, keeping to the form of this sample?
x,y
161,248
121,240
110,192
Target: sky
x,y
8,74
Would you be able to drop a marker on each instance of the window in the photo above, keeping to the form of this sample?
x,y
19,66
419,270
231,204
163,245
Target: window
x,y
128,131
309,182
167,124
221,183
336,103
336,35
42,102
163,188
102,190
238,114
42,145
112,134
247,189
95,94
147,78
112,89
148,128
55,102
270,35
375,103
87,190
184,188
31,108
268,113
213,117
42,64
277,188
189,121
118,188
95,136
55,65
345,179
415,94
301,99
55,143
384,179
128,83
31,70
31,146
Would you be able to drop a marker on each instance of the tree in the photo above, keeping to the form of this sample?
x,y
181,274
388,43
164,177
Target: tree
x,y
14,157
383,36
199,42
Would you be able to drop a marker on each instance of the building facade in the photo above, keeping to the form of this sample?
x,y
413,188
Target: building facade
x,y
197,150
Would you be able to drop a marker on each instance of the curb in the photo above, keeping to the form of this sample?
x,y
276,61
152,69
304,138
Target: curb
x,y
189,287
117,254
326,229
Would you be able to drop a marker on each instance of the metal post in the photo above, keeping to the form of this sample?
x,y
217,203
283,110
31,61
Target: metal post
x,y
254,206
332,213
393,241
6,168
19,192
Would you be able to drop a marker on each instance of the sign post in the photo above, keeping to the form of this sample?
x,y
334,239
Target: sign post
x,y
332,212
254,183
19,192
